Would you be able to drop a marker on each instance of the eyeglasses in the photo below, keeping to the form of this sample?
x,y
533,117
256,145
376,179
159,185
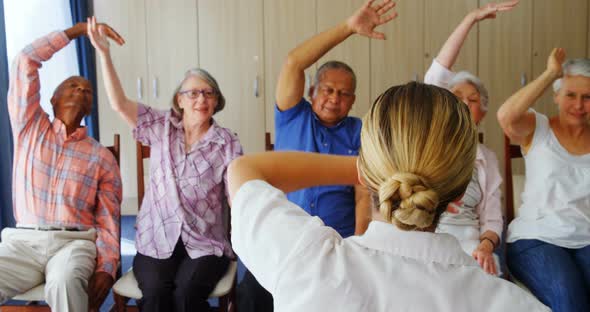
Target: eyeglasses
x,y
329,91
194,93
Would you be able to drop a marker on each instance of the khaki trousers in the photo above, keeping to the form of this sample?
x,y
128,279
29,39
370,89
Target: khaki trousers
x,y
63,260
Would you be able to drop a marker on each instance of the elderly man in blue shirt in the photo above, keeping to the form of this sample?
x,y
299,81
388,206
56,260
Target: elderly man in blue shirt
x,y
321,126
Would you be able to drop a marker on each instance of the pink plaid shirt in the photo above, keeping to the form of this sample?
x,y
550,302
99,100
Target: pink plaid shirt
x,y
186,191
60,180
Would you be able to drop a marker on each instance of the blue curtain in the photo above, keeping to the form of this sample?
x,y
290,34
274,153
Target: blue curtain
x,y
86,61
6,216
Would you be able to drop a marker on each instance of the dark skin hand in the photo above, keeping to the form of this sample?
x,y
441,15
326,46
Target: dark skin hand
x,y
98,288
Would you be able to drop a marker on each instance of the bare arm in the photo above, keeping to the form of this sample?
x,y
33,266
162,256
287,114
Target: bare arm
x,y
362,211
99,34
292,80
291,171
519,124
449,52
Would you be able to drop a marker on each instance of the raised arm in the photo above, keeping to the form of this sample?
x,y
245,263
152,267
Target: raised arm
x,y
450,50
291,171
291,83
515,119
99,35
23,97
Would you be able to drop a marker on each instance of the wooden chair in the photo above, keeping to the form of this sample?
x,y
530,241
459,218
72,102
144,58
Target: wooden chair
x,y
126,287
268,146
510,152
514,187
35,295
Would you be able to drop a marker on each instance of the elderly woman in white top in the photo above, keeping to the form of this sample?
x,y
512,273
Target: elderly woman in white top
x,y
549,241
476,220
418,147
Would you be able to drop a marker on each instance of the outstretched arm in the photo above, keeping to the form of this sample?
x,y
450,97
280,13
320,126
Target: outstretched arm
x,y
364,21
519,124
23,97
291,171
450,50
99,35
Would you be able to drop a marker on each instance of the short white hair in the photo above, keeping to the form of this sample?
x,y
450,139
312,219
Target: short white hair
x,y
462,77
573,67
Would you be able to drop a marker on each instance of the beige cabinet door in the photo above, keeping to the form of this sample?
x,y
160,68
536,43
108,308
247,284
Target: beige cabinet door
x,y
127,18
230,48
505,48
440,20
287,23
172,46
400,58
355,51
557,24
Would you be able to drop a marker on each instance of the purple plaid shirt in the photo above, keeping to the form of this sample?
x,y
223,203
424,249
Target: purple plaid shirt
x,y
186,191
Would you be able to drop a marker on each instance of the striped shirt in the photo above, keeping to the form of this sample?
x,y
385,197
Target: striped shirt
x,y
60,180
187,188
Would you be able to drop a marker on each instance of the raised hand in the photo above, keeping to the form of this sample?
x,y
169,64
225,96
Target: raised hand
x,y
99,35
491,9
364,21
555,61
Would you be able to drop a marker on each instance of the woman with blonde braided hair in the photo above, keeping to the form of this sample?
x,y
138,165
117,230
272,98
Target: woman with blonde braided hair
x,y
418,147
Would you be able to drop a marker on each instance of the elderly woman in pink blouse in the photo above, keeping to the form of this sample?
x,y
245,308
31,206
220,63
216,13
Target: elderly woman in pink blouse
x,y
182,247
476,220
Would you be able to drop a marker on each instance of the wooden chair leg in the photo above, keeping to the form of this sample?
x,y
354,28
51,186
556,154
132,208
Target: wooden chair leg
x,y
120,303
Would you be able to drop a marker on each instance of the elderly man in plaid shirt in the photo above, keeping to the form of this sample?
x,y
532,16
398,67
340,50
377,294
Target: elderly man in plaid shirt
x,y
66,190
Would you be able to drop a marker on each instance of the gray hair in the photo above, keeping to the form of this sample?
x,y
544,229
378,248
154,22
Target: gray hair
x,y
205,76
462,77
333,65
573,67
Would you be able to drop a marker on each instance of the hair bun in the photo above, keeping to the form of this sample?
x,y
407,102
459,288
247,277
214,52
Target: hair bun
x,y
417,202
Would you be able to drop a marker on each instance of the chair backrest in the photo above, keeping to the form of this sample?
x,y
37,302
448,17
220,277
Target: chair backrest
x,y
142,152
510,152
267,142
116,148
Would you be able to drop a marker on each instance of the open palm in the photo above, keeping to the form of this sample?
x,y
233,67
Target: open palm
x,y
99,35
364,21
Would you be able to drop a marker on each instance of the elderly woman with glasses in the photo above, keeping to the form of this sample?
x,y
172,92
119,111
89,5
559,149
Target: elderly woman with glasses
x,y
476,220
182,248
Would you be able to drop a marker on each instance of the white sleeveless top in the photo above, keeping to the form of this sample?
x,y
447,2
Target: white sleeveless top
x,y
556,199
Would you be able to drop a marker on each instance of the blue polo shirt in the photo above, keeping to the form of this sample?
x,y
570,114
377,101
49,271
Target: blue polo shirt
x,y
299,129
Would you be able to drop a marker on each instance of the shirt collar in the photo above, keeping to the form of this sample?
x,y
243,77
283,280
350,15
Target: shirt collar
x,y
60,129
423,246
212,134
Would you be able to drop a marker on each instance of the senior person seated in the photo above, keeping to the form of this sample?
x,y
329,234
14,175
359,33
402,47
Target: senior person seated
x,y
66,186
476,220
182,248
549,241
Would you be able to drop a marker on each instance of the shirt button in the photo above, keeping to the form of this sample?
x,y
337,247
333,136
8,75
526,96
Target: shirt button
x,y
350,151
312,205
325,144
